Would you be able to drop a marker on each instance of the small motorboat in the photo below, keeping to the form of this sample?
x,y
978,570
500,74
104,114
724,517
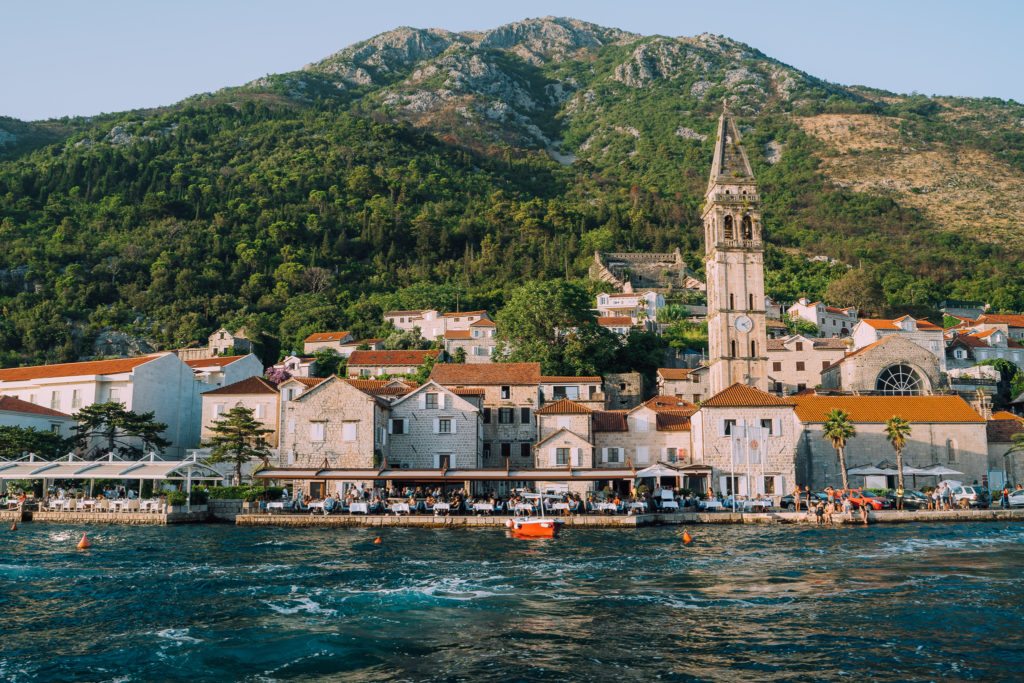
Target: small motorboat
x,y
535,527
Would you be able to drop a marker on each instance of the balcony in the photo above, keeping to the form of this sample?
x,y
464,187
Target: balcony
x,y
739,244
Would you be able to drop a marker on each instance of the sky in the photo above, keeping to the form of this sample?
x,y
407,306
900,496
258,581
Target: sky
x,y
69,57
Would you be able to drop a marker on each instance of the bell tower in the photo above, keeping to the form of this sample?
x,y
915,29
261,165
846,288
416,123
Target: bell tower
x,y
734,267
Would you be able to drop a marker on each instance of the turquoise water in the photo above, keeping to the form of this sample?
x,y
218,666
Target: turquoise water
x,y
741,603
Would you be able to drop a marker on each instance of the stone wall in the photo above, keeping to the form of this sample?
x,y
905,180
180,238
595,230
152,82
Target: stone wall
x,y
623,390
422,442
516,433
332,404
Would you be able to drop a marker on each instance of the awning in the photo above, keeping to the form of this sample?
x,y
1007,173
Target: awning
x,y
662,470
457,475
70,467
871,471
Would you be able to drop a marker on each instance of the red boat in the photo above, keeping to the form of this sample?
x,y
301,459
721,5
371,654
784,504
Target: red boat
x,y
535,527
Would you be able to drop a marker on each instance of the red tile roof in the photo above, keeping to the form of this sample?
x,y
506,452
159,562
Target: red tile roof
x,y
95,367
610,421
389,313
881,408
486,374
1005,415
1009,320
563,379
616,320
383,387
676,421
483,322
861,350
392,357
468,391
679,373
249,385
893,324
16,405
218,362
309,381
834,309
669,403
326,336
775,323
740,395
564,406
458,334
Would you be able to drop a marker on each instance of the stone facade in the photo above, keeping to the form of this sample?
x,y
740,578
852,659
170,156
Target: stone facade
x,y
433,427
796,363
860,371
832,321
688,384
734,264
642,443
923,333
623,390
256,394
583,390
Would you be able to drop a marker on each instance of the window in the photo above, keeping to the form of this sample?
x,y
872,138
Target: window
x,y
750,302
54,428
398,426
727,426
524,450
769,486
260,411
55,400
951,450
732,348
444,425
487,416
801,387
773,427
506,392
431,402
799,346
291,426
76,399
799,366
671,454
753,349
825,364
505,416
316,432
524,415
506,450
778,387
614,455
487,450
561,456
348,431
776,366
218,410
899,380
571,393
748,228
443,460
728,232
732,301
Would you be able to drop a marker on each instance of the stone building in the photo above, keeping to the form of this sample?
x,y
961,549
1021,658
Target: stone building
x,y
630,273
434,427
254,393
333,341
690,384
832,321
1000,431
923,333
511,395
586,390
945,430
399,362
478,341
623,390
734,264
891,365
748,438
796,362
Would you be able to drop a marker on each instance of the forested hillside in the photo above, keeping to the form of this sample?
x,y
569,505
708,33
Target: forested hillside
x,y
424,165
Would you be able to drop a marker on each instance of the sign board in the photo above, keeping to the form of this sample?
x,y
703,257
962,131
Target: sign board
x,y
996,480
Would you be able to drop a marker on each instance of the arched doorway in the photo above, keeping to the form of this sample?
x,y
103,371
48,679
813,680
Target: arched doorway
x,y
899,380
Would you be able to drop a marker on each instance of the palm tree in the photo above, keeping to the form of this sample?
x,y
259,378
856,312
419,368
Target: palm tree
x,y
839,429
896,431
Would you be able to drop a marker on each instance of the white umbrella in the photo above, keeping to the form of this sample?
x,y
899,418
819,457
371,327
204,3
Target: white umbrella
x,y
940,471
657,470
870,471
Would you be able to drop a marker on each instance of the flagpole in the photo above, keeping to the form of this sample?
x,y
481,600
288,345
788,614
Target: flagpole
x,y
732,472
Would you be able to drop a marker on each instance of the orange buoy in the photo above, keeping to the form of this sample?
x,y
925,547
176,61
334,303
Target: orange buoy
x,y
686,537
378,540
84,543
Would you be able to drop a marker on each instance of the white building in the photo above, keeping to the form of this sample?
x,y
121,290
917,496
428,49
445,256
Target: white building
x,y
831,320
326,340
225,370
923,333
15,412
161,384
640,308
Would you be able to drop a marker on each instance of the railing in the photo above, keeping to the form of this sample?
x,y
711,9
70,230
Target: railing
x,y
739,244
722,197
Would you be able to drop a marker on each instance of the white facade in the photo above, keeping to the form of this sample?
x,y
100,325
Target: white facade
x,y
921,332
639,307
831,320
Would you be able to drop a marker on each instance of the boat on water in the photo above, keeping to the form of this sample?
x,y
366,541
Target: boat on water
x,y
535,527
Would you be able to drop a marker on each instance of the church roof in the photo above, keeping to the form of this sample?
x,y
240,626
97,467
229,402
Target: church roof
x,y
881,408
729,164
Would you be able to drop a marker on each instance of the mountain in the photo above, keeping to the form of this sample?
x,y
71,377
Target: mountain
x,y
423,165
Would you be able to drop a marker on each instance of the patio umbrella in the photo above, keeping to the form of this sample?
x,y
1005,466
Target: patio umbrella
x,y
870,470
940,471
657,470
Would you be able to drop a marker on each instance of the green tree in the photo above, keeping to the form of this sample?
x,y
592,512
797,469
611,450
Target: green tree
x,y
858,288
839,429
896,431
552,323
459,356
120,430
797,325
16,441
329,363
238,438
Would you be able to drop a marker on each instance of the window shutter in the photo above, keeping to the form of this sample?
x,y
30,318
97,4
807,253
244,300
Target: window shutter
x,y
422,400
454,422
437,426
577,456
440,400
777,427
604,455
721,427
437,461
552,457
643,454
291,426
391,426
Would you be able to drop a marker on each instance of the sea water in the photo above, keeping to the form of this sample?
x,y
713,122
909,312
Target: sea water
x,y
750,603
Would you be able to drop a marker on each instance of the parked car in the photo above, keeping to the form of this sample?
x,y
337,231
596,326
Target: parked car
x,y
787,503
1017,498
912,500
970,496
859,498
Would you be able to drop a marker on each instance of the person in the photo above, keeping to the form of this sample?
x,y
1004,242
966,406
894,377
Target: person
x,y
937,499
1005,503
819,513
848,508
899,497
864,514
947,497
796,498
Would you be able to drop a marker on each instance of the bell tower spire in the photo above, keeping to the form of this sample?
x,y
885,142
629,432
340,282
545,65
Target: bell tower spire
x,y
734,266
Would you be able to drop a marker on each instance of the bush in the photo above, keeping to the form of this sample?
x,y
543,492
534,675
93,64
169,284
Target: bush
x,y
176,498
246,493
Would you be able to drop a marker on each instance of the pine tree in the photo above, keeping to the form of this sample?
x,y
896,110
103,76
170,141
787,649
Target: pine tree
x,y
238,438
